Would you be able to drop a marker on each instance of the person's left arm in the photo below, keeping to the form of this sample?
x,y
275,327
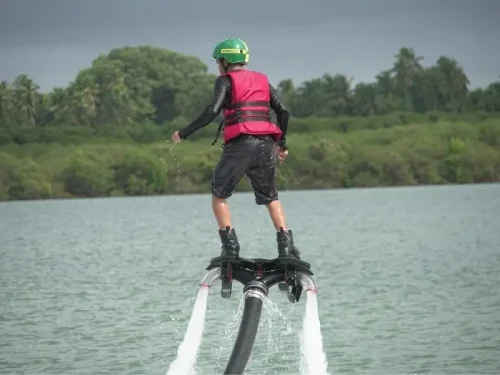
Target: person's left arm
x,y
282,116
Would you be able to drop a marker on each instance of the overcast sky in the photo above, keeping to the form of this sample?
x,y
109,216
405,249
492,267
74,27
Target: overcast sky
x,y
51,40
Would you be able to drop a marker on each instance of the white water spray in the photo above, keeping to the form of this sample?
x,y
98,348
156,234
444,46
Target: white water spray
x,y
188,350
313,358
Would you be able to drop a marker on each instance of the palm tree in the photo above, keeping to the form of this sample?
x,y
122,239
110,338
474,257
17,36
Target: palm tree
x,y
432,89
365,99
406,69
455,81
26,97
5,101
339,88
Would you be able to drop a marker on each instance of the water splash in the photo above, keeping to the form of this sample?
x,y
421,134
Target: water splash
x,y
221,351
188,349
313,358
178,169
174,163
289,175
277,337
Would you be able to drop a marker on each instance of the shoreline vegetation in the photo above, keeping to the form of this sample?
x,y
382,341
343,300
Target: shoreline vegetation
x,y
108,132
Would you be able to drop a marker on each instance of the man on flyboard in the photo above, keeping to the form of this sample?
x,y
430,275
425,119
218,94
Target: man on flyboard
x,y
251,143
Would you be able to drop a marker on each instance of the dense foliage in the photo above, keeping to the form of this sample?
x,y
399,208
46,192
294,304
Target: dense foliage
x,y
104,133
431,153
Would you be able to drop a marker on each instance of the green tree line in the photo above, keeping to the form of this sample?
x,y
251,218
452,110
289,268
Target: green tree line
x,y
414,154
106,134
148,85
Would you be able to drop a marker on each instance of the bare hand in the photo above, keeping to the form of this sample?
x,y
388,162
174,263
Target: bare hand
x,y
282,154
175,137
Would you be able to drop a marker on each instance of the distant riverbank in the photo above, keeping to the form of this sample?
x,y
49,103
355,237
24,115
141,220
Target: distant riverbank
x,y
424,153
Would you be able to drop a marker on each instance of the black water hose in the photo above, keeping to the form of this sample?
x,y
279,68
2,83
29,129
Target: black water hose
x,y
255,292
247,332
273,279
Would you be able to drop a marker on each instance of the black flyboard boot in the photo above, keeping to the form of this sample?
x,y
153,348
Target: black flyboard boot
x,y
286,246
289,255
230,249
230,246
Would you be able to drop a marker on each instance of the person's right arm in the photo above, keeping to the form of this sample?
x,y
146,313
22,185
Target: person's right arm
x,y
222,90
282,116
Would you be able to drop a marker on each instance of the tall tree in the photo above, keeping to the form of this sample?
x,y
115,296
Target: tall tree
x,y
406,69
26,98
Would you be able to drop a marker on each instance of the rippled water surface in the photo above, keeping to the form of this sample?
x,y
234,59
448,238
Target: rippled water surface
x,y
409,282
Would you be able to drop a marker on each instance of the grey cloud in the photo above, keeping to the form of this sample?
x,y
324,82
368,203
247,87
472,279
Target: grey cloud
x,y
52,39
56,21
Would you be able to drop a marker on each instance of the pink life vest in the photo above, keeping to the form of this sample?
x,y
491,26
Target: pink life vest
x,y
248,112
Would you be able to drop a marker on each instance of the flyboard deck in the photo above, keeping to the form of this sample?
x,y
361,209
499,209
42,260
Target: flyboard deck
x,y
284,269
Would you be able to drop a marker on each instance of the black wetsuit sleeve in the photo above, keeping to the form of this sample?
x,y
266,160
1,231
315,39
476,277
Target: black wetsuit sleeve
x,y
282,115
222,93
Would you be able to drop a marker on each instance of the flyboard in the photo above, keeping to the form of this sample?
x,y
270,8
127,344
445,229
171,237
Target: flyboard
x,y
292,276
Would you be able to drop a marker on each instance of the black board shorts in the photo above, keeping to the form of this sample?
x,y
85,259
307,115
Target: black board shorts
x,y
254,156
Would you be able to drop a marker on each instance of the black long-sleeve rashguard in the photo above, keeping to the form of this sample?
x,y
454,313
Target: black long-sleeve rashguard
x,y
222,96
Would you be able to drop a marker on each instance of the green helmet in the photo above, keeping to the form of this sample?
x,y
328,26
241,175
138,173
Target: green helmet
x,y
234,51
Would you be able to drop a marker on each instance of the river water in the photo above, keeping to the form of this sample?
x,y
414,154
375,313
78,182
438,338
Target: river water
x,y
409,282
